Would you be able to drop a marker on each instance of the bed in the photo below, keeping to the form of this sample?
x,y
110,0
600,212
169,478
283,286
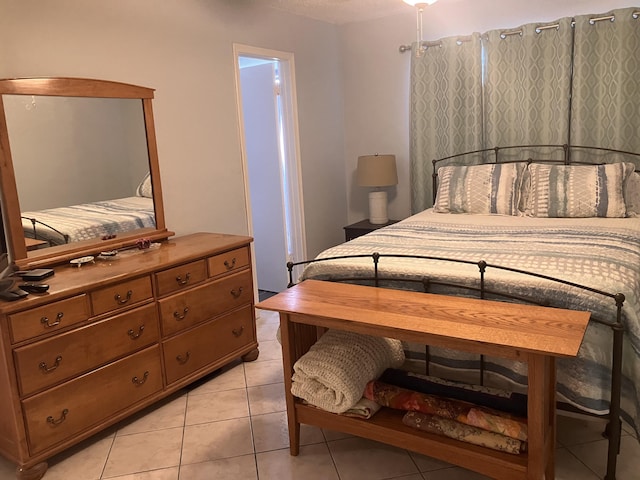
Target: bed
x,y
555,231
86,221
58,226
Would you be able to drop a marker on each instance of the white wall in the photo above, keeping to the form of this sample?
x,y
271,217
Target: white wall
x,y
183,49
376,75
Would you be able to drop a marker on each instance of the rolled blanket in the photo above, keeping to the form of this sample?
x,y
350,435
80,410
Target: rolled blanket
x,y
464,412
505,401
463,432
333,373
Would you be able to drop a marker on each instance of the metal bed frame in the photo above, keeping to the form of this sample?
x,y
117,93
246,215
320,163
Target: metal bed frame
x,y
492,155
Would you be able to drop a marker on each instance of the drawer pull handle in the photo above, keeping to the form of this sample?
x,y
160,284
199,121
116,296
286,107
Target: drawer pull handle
x,y
180,316
140,381
62,418
45,320
236,292
238,331
230,265
121,300
182,360
135,335
184,281
45,369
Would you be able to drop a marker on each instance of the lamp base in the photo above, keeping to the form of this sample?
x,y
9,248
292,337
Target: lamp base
x,y
378,207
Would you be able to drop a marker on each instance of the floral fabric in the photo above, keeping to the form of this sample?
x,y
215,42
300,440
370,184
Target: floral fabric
x,y
498,399
465,433
463,412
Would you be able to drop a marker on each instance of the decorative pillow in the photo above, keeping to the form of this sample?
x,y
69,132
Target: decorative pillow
x,y
145,189
489,188
577,190
632,195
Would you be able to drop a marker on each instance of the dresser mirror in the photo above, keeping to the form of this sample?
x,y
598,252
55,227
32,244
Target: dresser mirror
x,y
79,168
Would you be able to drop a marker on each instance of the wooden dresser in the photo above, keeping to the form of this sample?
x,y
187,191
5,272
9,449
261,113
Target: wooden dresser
x,y
112,337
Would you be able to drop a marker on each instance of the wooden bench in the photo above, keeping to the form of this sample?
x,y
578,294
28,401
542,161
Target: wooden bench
x,y
526,333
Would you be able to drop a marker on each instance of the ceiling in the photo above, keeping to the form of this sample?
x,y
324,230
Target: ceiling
x,y
342,11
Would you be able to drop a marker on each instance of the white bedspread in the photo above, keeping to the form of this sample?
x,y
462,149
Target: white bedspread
x,y
89,220
602,253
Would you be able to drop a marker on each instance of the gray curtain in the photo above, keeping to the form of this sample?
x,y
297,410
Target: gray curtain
x,y
526,87
606,81
446,109
566,84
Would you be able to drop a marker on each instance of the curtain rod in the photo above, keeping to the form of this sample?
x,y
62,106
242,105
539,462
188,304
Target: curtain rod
x,y
549,26
504,34
436,43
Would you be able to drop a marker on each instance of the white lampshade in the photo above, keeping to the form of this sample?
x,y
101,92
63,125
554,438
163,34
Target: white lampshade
x,y
377,171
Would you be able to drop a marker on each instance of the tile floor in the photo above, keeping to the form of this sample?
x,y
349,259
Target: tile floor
x,y
232,425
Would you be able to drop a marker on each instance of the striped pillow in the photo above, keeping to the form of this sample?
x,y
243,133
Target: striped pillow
x,y
632,195
489,188
578,190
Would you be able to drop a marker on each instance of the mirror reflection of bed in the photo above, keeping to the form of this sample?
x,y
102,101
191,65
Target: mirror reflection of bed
x,y
102,219
96,148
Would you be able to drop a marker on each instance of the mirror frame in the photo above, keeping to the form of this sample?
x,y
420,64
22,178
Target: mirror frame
x,y
11,213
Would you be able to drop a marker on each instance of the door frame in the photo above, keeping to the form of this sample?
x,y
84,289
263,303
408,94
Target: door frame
x,y
291,149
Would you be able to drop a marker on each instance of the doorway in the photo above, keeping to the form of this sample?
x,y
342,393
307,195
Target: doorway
x,y
270,149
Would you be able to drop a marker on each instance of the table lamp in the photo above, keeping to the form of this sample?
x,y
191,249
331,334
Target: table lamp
x,y
377,171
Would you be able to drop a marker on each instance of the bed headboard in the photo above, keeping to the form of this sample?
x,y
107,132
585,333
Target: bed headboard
x,y
558,154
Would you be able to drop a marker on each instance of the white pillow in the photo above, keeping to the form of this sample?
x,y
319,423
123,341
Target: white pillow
x,y
145,189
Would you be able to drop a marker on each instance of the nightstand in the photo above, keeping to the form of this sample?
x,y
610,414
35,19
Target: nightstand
x,y
358,229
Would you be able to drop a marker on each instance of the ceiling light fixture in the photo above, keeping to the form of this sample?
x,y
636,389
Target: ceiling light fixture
x,y
420,6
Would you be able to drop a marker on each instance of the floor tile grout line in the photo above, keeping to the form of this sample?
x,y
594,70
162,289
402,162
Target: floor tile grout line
x,y
568,449
184,430
333,460
253,440
106,460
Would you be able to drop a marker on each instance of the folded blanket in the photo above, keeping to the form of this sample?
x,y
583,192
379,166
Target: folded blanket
x,y
463,412
463,432
365,408
333,373
503,400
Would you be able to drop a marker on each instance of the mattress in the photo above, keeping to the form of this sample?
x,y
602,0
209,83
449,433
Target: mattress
x,y
599,253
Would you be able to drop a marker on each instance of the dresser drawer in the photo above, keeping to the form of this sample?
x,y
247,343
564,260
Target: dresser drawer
x,y
66,410
121,295
48,318
55,359
228,261
197,348
179,278
204,302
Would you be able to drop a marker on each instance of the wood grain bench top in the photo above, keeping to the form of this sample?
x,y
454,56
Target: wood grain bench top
x,y
508,329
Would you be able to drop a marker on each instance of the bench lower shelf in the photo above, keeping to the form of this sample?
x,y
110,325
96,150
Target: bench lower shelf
x,y
386,426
